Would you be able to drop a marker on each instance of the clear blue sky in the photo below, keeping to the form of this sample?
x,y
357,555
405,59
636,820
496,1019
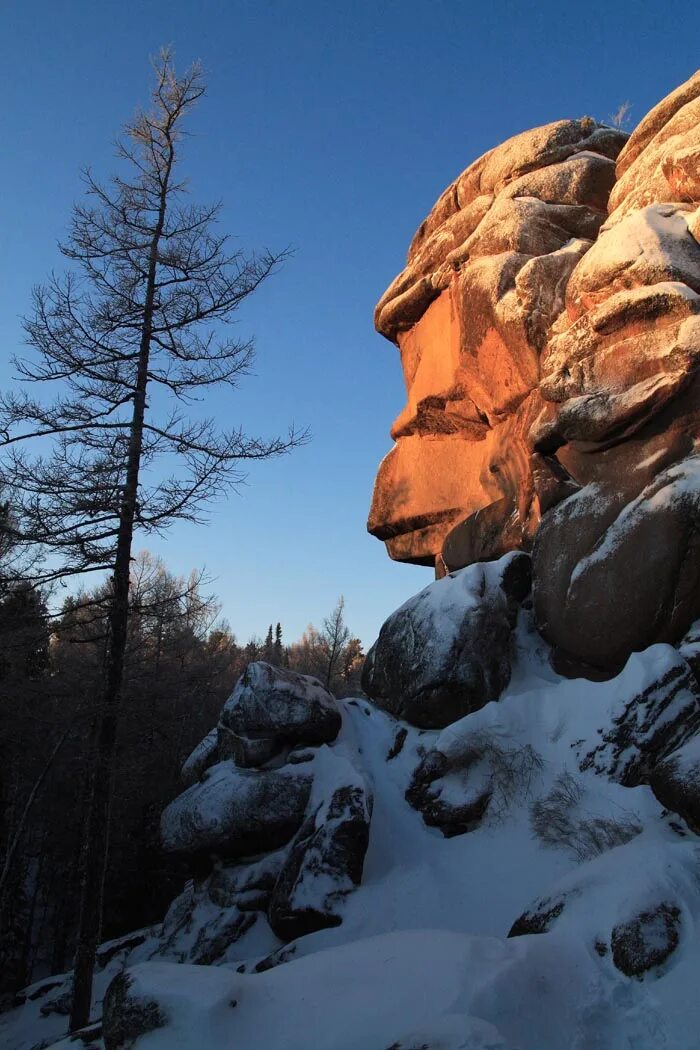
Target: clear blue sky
x,y
332,127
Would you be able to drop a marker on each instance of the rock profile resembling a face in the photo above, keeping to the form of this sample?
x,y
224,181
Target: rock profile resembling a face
x,y
548,322
485,278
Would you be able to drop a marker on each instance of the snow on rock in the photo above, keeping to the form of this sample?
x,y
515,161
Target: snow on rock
x,y
447,651
218,918
327,856
648,246
431,915
203,756
270,710
633,905
454,991
656,707
237,812
676,782
629,538
274,702
490,761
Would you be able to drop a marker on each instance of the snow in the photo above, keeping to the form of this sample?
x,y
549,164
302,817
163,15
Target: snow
x,y
422,956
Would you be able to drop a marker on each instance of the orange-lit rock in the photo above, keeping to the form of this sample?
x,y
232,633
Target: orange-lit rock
x,y
486,276
548,320
617,568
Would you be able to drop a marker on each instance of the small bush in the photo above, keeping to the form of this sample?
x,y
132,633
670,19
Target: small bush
x,y
510,769
557,822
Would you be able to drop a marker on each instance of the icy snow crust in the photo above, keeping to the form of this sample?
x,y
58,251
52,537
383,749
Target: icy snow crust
x,y
422,957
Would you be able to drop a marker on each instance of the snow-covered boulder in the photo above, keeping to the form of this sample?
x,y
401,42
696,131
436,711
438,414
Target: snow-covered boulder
x,y
237,812
632,904
676,782
651,715
326,858
273,706
210,918
447,651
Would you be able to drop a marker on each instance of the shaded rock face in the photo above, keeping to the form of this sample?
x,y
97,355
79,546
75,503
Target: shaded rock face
x,y
646,727
646,941
676,782
236,812
548,321
329,848
272,706
127,1016
447,651
274,820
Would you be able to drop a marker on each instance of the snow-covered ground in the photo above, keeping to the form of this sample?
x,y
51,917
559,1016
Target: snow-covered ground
x,y
423,958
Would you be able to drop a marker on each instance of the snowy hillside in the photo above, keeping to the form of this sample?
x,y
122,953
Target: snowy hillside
x,y
529,817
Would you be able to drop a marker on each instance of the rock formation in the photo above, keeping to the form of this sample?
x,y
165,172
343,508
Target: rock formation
x,y
505,835
548,321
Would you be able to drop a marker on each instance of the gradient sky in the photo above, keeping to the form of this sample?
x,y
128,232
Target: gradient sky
x,y
332,127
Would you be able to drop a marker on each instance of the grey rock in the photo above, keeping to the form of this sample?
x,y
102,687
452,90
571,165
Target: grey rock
x,y
236,812
127,1016
446,651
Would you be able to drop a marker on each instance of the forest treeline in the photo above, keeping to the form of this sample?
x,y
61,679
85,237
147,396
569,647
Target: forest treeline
x,y
181,663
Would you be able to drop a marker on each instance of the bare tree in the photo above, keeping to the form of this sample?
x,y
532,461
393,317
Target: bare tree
x,y
335,635
141,313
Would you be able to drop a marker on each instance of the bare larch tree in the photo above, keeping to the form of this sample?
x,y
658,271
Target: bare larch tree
x,y
138,322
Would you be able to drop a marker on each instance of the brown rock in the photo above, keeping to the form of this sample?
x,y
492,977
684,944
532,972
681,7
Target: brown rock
x,y
486,276
645,181
655,120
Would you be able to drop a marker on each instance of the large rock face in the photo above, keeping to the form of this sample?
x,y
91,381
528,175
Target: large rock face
x,y
486,276
548,321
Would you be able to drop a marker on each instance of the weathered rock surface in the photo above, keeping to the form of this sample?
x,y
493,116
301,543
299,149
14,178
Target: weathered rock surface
x,y
646,727
620,368
548,321
127,1015
270,710
274,702
486,276
236,812
446,651
326,858
646,941
616,567
637,923
676,782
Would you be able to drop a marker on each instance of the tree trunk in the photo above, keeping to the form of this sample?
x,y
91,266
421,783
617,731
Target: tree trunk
x,y
94,853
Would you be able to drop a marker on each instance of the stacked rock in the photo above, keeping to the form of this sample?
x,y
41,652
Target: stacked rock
x,y
616,567
273,819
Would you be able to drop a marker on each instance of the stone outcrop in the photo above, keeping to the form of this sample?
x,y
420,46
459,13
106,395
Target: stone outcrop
x,y
676,782
548,321
275,822
236,812
646,727
447,651
486,276
547,465
324,864
272,707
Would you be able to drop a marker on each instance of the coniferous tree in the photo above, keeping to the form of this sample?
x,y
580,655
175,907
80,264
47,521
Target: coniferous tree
x,y
150,285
